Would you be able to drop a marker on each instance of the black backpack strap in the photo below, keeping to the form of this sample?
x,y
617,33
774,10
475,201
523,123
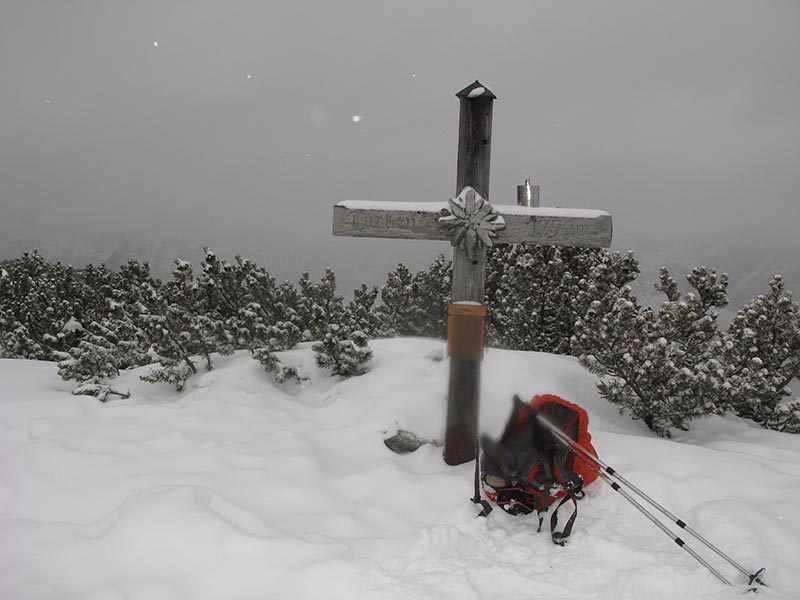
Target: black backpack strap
x,y
573,485
560,537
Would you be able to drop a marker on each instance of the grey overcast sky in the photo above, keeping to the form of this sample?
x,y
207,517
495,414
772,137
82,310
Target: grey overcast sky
x,y
239,124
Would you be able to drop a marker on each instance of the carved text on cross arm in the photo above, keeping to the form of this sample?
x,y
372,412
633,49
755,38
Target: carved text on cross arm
x,y
549,229
362,221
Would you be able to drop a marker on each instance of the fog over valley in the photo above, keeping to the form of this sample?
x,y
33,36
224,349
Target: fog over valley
x,y
153,129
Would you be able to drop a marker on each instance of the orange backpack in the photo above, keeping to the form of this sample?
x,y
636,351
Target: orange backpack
x,y
528,468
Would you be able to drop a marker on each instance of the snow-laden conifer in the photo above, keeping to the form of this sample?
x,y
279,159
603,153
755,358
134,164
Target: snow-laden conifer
x,y
93,363
39,302
345,353
340,346
432,288
415,305
537,293
359,314
396,311
762,352
280,336
16,341
167,318
123,323
318,305
662,366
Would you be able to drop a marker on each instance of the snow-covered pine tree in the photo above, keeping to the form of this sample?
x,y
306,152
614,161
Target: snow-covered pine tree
x,y
70,307
131,277
207,301
124,334
431,290
113,342
17,342
661,366
609,273
255,308
94,286
220,299
267,318
528,302
415,304
92,363
339,346
167,319
318,305
396,311
263,304
123,322
204,330
537,293
6,326
345,353
288,305
360,311
280,336
762,355
37,300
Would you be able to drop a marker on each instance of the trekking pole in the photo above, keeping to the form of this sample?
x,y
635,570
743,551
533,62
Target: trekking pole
x,y
565,439
618,488
477,498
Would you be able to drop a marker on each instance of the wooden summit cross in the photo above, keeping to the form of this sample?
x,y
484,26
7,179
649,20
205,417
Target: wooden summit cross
x,y
471,225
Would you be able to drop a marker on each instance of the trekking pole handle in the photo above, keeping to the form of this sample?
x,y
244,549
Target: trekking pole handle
x,y
565,439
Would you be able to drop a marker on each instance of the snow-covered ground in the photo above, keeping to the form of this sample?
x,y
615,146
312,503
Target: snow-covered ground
x,y
238,489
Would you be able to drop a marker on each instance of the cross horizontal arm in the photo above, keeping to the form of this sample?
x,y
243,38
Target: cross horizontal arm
x,y
523,224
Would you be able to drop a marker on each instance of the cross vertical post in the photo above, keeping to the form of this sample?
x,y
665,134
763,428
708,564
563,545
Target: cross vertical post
x,y
463,396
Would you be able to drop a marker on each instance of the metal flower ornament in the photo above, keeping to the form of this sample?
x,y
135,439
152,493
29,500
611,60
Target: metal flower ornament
x,y
471,222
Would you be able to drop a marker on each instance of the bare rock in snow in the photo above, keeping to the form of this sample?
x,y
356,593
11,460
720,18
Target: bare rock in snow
x,y
404,442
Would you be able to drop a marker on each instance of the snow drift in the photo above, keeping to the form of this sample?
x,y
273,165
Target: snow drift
x,y
241,489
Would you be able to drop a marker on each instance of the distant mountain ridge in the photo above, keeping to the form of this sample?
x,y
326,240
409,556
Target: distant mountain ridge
x,y
750,268
78,251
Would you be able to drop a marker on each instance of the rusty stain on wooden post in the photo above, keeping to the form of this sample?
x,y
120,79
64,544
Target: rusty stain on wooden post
x,y
466,330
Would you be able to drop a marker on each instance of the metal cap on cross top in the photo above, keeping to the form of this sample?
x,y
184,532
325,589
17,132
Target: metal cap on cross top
x,y
476,89
472,225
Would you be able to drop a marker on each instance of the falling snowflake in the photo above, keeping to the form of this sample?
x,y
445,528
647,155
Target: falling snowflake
x,y
471,221
356,118
155,44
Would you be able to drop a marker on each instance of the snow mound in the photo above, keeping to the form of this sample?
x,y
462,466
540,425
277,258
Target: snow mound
x,y
239,488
